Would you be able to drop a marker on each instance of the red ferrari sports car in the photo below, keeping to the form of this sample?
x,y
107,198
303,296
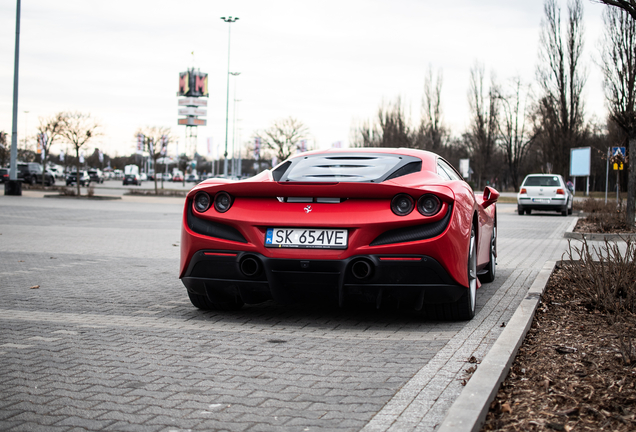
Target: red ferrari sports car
x,y
375,224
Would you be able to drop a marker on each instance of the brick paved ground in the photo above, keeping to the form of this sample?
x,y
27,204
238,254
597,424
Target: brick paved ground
x,y
110,341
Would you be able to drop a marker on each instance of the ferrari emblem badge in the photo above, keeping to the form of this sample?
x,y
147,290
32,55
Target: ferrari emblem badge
x,y
307,209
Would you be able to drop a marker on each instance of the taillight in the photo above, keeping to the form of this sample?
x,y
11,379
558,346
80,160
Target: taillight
x,y
201,202
560,192
523,191
222,202
428,205
402,204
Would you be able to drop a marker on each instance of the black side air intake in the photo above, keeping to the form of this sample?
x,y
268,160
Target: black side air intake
x,y
213,229
414,233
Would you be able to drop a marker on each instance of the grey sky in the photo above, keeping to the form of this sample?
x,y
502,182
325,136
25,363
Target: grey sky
x,y
328,63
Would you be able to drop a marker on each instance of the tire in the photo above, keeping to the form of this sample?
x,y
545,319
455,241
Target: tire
x,y
570,208
491,268
520,210
32,181
464,308
564,212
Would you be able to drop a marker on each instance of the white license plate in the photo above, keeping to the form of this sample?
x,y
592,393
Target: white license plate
x,y
306,238
541,200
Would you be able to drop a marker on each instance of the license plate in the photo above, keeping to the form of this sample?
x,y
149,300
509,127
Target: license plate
x,y
306,238
541,200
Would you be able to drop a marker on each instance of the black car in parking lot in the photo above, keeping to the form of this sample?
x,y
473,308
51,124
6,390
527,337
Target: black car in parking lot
x,y
31,173
4,175
132,179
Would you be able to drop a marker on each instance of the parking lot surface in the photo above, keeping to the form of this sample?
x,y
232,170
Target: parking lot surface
x,y
109,340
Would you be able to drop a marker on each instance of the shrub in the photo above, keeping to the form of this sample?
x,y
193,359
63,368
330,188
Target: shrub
x,y
605,275
608,217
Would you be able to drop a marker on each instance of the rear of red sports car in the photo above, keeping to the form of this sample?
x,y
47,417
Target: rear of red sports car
x,y
351,225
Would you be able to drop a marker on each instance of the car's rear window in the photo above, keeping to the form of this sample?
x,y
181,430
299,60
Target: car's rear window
x,y
542,181
347,167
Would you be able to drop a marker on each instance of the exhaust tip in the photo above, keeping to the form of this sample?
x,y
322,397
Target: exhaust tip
x,y
361,269
250,266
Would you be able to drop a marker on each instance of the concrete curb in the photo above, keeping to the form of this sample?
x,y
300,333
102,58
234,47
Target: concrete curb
x,y
597,236
94,197
469,410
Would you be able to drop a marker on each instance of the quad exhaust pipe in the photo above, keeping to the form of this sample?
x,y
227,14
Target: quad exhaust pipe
x,y
250,266
361,269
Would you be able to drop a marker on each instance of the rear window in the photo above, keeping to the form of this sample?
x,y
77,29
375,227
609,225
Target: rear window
x,y
347,167
542,181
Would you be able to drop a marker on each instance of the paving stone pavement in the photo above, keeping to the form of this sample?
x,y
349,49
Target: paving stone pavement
x,y
110,341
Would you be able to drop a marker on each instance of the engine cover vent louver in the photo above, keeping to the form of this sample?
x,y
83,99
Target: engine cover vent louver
x,y
414,233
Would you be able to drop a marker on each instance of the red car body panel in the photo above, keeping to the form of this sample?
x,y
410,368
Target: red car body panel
x,y
365,212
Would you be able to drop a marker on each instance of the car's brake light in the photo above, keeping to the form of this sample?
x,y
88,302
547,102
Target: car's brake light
x,y
560,192
523,190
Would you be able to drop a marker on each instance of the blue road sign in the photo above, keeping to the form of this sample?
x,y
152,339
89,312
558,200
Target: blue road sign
x,y
619,151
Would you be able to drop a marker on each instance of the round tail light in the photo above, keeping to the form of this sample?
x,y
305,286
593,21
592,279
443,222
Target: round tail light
x,y
201,202
428,205
402,204
222,202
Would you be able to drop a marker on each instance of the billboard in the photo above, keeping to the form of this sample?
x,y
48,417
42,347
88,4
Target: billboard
x,y
192,121
580,161
193,83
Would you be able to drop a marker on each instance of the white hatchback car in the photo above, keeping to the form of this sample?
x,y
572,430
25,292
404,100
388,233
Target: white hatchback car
x,y
545,192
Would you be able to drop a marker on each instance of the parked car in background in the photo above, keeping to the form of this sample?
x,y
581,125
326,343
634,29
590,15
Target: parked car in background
x,y
143,176
32,173
544,192
96,175
177,177
192,178
4,175
84,178
166,177
132,179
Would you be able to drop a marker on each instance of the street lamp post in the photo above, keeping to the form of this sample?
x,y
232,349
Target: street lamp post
x,y
228,20
234,74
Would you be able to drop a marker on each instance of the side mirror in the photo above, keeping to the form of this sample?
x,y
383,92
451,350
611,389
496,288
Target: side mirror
x,y
490,196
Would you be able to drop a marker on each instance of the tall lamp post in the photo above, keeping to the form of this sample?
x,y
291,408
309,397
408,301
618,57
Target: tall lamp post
x,y
13,186
228,20
234,74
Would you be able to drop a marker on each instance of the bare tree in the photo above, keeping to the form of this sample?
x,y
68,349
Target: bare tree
x,y
619,73
628,6
49,129
78,129
432,135
482,138
156,138
391,128
513,138
560,76
283,136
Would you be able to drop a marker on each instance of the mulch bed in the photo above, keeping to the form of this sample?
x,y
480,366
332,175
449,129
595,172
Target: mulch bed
x,y
583,225
570,373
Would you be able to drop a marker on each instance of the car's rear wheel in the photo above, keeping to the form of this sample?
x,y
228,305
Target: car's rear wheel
x,y
464,308
491,268
520,210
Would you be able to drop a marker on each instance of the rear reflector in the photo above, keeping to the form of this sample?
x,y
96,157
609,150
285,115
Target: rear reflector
x,y
400,259
219,254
